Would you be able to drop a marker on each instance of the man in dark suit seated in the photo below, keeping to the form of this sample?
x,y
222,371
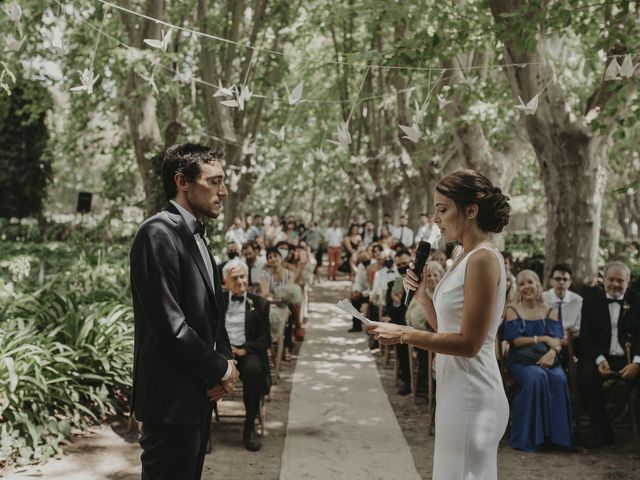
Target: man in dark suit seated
x,y
247,322
609,346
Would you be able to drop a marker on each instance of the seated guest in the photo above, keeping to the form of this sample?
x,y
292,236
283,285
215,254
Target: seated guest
x,y
233,251
397,312
435,272
369,234
360,287
247,323
404,233
610,325
275,275
236,233
541,408
250,255
568,303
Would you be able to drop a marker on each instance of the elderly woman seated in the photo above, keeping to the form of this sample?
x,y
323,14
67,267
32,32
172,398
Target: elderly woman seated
x,y
247,323
541,409
278,284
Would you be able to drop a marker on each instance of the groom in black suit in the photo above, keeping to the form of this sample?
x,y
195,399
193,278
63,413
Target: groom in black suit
x,y
182,356
609,345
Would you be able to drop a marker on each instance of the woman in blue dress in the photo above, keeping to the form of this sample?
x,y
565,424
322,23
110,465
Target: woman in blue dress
x,y
541,409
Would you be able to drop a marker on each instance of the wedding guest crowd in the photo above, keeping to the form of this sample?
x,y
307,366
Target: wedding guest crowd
x,y
603,330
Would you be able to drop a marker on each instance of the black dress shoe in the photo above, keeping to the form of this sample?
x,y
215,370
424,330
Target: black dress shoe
x,y
251,441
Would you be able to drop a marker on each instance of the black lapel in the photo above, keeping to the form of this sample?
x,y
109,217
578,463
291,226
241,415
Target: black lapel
x,y
187,238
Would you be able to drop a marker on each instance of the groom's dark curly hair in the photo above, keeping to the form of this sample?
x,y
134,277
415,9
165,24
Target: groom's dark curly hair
x,y
185,158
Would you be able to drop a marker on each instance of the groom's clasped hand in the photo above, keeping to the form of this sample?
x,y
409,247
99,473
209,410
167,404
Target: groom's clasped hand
x,y
217,392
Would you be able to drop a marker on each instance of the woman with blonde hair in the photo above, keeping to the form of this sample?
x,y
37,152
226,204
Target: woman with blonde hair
x,y
541,407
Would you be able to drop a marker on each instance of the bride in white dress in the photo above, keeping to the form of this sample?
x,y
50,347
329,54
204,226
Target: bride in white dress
x,y
471,407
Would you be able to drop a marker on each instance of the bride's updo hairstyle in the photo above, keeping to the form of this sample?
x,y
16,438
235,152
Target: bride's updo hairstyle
x,y
467,187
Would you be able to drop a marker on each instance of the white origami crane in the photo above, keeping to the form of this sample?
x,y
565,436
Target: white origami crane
x,y
12,43
344,137
6,72
294,96
162,44
592,115
613,70
14,11
421,111
182,77
627,68
224,92
412,133
152,82
280,133
87,80
531,107
242,96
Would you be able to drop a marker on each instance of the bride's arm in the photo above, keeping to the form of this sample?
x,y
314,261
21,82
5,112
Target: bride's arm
x,y
480,292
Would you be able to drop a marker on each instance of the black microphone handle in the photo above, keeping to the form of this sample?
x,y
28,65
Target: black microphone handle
x,y
422,253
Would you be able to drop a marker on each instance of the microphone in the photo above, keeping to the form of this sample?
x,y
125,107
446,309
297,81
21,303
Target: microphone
x,y
421,258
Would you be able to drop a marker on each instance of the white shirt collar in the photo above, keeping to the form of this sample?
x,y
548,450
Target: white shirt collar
x,y
611,297
187,215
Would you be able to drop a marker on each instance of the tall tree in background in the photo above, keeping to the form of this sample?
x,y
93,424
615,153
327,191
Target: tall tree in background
x,y
25,165
572,151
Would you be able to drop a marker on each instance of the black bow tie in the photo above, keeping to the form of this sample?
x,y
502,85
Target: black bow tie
x,y
200,230
613,300
237,298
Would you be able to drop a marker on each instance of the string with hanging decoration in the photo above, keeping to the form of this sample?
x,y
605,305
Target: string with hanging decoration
x,y
238,96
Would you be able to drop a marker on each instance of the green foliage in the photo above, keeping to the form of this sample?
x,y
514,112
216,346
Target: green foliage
x,y
25,165
66,343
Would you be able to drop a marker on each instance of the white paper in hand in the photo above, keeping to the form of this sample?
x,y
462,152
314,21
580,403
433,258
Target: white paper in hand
x,y
345,306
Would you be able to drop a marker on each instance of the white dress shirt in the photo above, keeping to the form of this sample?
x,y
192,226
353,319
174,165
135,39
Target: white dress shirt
x,y
571,308
423,233
361,281
235,321
204,251
405,235
237,235
334,237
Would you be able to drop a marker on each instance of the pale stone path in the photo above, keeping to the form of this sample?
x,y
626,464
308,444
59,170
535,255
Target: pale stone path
x,y
341,424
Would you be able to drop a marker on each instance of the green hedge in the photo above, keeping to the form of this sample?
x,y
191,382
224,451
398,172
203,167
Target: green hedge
x,y
66,343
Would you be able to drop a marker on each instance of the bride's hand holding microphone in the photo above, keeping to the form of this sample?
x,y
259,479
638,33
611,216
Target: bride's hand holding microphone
x,y
415,286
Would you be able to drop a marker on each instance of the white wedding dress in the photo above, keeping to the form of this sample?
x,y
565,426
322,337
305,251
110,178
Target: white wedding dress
x,y
472,410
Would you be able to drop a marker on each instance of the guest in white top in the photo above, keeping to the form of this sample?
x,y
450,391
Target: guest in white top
x,y
334,237
424,232
568,303
404,233
360,288
236,233
255,263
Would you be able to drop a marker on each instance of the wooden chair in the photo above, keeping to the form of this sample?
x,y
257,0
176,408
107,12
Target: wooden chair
x,y
231,406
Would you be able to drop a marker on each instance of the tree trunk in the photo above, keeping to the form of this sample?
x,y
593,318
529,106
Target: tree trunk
x,y
572,158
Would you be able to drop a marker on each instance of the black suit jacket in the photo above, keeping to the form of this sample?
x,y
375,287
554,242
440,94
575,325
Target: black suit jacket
x,y
257,331
181,346
595,329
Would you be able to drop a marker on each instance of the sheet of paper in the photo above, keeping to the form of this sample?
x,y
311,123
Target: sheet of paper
x,y
345,306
